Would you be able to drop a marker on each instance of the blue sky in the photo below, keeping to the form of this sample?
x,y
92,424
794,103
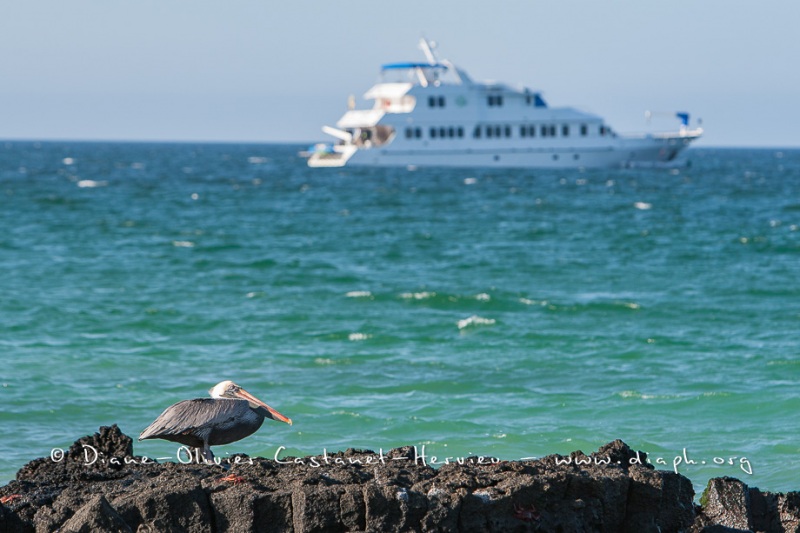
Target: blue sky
x,y
246,70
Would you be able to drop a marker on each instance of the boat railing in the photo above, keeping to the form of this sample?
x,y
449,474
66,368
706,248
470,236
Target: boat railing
x,y
682,133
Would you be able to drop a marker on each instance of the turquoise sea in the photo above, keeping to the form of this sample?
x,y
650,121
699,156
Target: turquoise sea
x,y
508,313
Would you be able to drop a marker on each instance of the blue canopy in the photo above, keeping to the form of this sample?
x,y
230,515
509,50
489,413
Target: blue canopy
x,y
394,66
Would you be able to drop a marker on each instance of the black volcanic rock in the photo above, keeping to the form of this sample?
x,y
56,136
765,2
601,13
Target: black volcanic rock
x,y
726,502
730,506
97,515
613,489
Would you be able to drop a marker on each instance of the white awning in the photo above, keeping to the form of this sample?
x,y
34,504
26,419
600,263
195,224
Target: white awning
x,y
360,118
388,90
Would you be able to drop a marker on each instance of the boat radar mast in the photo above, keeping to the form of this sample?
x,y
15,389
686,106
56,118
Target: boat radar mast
x,y
427,48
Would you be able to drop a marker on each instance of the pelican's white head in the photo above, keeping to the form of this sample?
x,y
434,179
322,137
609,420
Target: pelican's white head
x,y
229,390
224,389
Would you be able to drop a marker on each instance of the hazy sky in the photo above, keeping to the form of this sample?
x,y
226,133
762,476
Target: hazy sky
x,y
268,70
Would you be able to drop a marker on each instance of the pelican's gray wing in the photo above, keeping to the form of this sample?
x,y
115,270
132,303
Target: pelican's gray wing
x,y
195,418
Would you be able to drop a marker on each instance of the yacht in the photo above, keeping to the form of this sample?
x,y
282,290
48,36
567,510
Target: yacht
x,y
431,113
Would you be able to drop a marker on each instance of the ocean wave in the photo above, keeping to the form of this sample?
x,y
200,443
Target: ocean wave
x,y
475,320
424,295
88,184
359,294
644,396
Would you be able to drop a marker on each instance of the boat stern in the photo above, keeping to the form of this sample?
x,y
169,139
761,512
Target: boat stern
x,y
330,155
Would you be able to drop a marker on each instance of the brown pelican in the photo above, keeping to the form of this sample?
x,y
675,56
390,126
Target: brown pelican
x,y
229,415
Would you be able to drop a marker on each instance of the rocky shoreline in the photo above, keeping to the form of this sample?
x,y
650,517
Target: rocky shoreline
x,y
616,490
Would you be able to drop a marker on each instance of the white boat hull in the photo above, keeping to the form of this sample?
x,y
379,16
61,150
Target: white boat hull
x,y
648,151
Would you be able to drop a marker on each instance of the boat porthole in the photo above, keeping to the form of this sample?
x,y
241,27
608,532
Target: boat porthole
x,y
576,157
555,157
497,158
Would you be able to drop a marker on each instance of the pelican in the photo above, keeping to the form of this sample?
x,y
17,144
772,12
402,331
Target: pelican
x,y
229,415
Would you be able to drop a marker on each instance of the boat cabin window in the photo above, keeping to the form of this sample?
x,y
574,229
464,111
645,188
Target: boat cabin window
x,y
496,131
584,129
494,100
545,130
413,133
442,132
552,131
565,130
436,101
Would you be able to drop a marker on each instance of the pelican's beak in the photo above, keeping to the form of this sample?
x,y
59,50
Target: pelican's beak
x,y
271,413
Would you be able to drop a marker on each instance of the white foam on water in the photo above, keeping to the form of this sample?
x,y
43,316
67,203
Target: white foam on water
x,y
85,184
528,301
417,295
475,320
359,294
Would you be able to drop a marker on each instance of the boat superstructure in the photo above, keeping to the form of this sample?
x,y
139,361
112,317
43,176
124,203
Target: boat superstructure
x,y
432,113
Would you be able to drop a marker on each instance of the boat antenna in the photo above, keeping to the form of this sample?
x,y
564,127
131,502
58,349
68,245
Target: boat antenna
x,y
427,49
